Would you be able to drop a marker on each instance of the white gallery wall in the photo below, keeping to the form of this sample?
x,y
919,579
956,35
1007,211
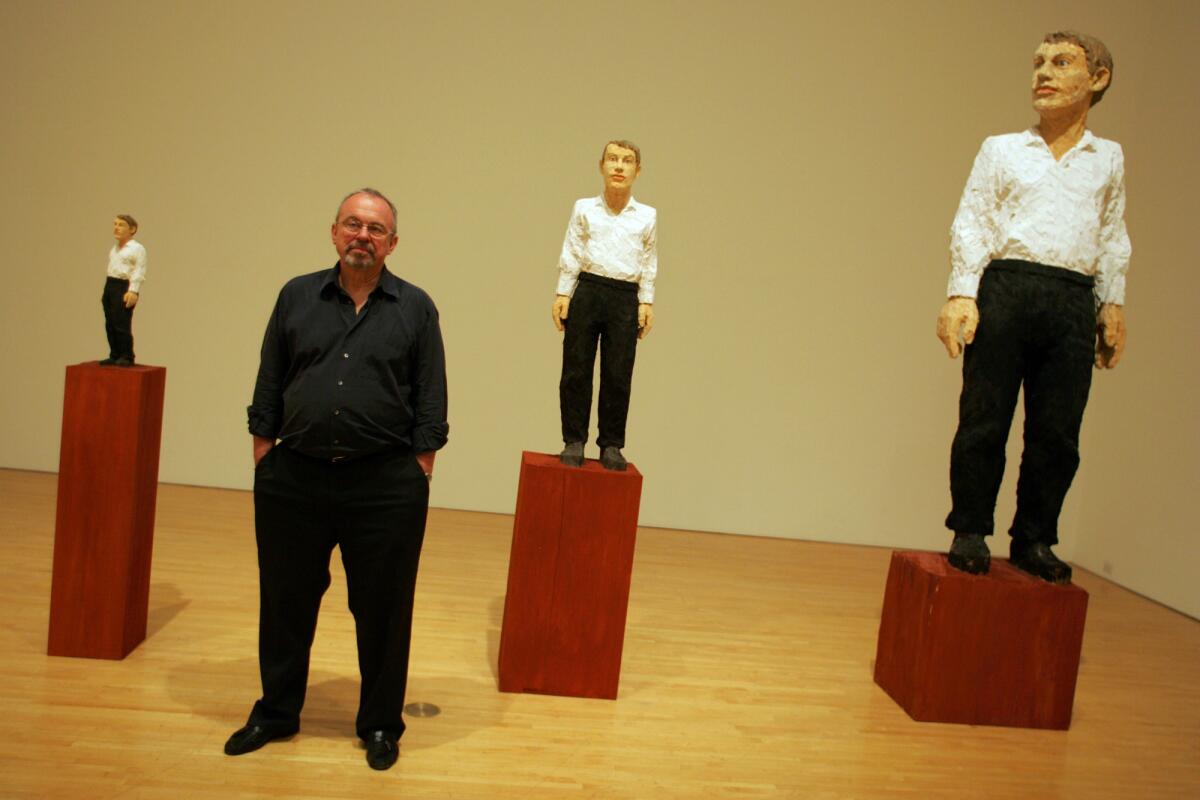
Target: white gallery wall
x,y
806,160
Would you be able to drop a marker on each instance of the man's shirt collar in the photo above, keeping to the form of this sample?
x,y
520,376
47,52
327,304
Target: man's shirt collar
x,y
388,283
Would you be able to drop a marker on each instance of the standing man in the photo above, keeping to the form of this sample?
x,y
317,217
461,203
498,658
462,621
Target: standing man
x,y
1038,254
606,279
126,271
348,411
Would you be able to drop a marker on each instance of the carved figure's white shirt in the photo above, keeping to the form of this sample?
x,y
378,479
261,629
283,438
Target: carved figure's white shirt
x,y
128,263
1021,203
623,246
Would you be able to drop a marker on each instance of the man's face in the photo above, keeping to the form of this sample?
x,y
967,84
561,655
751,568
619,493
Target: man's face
x,y
619,168
1061,79
121,230
366,248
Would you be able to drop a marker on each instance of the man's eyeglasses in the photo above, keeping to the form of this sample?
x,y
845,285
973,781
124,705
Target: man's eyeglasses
x,y
352,225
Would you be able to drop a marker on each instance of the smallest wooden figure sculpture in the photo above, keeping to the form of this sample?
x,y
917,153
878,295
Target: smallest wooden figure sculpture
x,y
126,271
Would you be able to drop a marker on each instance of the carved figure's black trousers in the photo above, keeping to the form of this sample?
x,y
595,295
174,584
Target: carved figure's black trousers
x,y
374,510
1037,328
118,320
604,311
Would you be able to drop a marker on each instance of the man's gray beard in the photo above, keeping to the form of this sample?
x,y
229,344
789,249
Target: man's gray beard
x,y
359,261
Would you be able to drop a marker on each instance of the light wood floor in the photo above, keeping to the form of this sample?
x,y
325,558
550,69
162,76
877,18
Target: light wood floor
x,y
747,674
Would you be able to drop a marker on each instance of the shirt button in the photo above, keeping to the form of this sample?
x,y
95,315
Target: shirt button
x,y
337,411
345,355
339,383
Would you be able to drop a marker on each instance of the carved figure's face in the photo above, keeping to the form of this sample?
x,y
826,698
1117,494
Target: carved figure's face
x,y
122,232
375,237
1061,79
619,168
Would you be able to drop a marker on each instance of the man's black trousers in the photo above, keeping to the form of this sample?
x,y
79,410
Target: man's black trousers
x,y
373,509
1037,327
118,320
602,310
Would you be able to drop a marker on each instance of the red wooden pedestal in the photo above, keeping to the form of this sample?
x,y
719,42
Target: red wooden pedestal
x,y
995,649
107,487
568,578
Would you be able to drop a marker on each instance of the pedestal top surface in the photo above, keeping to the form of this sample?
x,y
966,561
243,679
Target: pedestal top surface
x,y
551,461
938,565
95,365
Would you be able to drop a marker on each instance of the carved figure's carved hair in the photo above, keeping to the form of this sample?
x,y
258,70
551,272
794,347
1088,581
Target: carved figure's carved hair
x,y
628,145
1097,54
130,221
367,190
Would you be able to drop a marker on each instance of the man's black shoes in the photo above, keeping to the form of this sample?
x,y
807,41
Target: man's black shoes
x,y
611,458
969,553
107,362
572,454
382,749
251,737
1037,559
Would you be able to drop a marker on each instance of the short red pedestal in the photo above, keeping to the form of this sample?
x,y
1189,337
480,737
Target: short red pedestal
x,y
107,488
995,649
568,578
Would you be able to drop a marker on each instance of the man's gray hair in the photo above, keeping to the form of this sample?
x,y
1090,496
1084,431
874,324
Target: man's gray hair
x,y
373,193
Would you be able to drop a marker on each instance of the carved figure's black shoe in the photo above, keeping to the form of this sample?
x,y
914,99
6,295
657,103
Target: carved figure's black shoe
x,y
382,749
249,738
107,362
611,458
1037,559
969,553
572,454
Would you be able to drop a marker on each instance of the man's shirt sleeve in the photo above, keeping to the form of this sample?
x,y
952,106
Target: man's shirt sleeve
x,y
266,411
1115,249
430,428
972,234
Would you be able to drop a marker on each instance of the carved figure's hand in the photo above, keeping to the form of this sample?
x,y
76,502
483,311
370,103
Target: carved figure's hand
x,y
645,319
559,311
131,299
1110,335
960,316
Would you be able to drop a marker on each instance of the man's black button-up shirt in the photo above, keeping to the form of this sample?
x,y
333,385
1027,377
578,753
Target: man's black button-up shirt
x,y
333,382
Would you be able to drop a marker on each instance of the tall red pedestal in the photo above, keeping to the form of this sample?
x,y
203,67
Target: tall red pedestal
x,y
568,578
995,649
107,488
